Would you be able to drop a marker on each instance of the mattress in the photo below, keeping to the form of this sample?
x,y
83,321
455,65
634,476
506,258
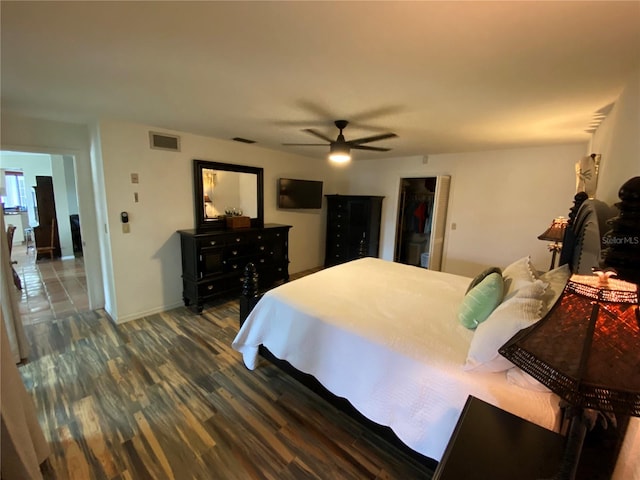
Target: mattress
x,y
385,336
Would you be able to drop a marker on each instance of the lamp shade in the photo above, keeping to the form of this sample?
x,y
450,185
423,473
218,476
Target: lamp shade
x,y
207,199
555,233
339,152
587,348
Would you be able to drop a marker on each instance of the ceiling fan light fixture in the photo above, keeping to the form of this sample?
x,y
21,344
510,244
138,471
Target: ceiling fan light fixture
x,y
339,153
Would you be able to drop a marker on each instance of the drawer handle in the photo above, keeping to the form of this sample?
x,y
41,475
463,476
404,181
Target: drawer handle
x,y
238,239
259,237
261,248
338,225
234,252
209,287
234,266
337,245
212,242
262,260
338,235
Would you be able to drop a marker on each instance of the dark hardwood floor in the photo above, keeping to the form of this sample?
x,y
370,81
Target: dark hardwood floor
x,y
165,397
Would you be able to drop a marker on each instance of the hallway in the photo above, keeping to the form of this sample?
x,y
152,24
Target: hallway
x,y
51,289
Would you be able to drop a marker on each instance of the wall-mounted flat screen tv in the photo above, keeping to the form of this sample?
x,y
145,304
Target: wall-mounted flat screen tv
x,y
299,193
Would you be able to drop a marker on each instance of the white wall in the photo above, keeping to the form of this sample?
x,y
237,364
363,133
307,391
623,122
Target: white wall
x,y
618,140
61,198
500,201
70,178
145,268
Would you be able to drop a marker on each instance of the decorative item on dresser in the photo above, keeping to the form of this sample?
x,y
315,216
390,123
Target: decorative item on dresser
x,y
353,227
213,261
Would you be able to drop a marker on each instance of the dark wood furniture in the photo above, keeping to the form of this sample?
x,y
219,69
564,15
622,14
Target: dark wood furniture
x,y
76,235
48,248
11,230
491,443
213,262
353,227
46,233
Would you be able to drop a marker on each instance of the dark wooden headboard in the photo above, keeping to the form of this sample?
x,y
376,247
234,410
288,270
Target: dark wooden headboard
x,y
586,234
601,236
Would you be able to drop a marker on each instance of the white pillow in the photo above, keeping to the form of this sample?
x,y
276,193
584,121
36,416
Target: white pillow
x,y
517,275
514,314
515,376
557,280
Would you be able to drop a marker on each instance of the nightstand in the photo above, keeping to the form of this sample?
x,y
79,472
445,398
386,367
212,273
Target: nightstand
x,y
489,443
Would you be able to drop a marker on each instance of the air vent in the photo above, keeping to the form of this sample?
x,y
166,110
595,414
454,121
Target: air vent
x,y
162,141
243,140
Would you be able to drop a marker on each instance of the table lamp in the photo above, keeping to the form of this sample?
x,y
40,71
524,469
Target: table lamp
x,y
207,200
555,234
587,351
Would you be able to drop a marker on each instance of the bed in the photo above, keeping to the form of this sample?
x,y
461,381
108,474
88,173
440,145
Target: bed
x,y
388,337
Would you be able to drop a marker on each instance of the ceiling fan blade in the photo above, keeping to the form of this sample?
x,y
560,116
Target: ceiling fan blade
x,y
318,134
307,144
373,138
373,149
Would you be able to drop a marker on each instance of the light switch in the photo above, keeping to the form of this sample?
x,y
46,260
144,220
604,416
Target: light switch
x,y
454,225
134,178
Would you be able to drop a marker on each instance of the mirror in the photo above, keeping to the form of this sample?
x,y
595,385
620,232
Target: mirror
x,y
222,189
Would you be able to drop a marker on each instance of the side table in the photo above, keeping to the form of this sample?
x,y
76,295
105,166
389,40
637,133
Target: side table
x,y
489,443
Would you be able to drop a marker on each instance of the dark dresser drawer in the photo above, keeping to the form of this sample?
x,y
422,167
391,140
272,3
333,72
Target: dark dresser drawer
x,y
213,262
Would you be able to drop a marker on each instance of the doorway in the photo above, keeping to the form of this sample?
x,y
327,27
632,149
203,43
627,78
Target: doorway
x,y
415,214
68,271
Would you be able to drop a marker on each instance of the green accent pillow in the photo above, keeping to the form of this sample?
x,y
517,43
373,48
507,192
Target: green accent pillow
x,y
482,275
481,300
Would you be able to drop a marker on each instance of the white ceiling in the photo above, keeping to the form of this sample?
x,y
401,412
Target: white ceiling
x,y
444,76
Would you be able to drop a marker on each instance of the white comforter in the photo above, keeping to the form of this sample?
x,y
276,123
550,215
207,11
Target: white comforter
x,y
386,337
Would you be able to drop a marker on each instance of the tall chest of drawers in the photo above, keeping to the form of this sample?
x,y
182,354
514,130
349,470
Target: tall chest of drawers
x,y
353,227
213,262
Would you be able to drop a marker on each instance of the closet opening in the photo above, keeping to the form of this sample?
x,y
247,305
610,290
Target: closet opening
x,y
422,204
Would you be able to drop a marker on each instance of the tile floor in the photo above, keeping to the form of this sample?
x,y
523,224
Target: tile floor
x,y
51,289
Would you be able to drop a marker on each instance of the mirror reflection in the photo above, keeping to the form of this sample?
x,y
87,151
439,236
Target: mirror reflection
x,y
228,193
224,189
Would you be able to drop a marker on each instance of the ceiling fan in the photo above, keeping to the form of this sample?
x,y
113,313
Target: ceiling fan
x,y
340,149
